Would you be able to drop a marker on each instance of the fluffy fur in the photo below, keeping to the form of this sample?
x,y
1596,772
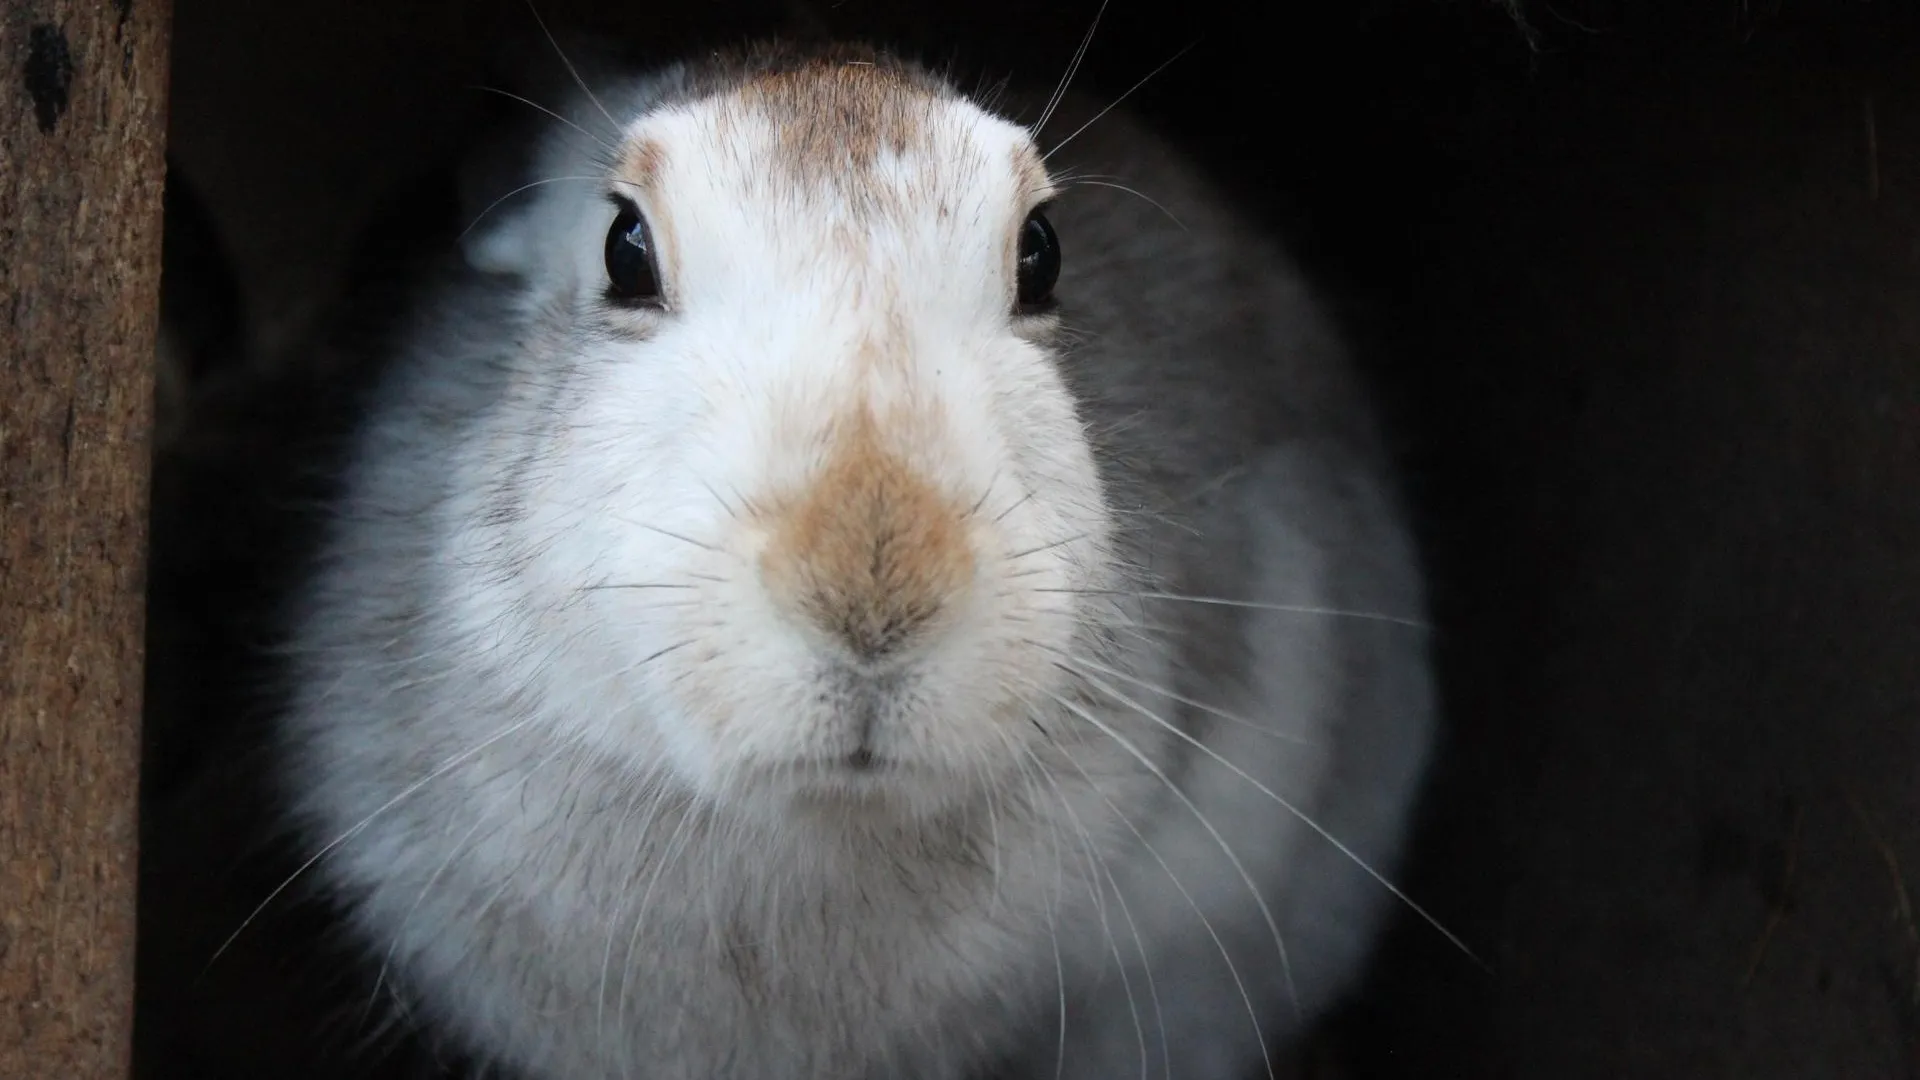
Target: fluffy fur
x,y
802,678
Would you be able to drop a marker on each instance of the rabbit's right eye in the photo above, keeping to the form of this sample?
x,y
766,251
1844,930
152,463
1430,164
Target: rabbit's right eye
x,y
1038,266
633,275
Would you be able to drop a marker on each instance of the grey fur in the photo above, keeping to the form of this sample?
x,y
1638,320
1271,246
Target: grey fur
x,y
1241,456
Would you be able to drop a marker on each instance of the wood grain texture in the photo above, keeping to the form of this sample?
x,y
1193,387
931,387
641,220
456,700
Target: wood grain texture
x,y
82,126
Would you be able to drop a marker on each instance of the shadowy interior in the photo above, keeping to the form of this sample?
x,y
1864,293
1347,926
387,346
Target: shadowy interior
x,y
1642,291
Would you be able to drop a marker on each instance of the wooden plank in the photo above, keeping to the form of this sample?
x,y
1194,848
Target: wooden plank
x,y
82,129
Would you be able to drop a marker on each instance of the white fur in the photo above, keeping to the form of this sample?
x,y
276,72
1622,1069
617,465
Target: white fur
x,y
590,828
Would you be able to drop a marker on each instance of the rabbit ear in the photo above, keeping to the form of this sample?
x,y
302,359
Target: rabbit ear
x,y
501,249
497,219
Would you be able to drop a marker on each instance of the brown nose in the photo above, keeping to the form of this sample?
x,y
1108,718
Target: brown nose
x,y
870,551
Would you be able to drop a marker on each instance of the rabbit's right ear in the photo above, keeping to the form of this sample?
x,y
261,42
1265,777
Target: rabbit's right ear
x,y
499,234
499,201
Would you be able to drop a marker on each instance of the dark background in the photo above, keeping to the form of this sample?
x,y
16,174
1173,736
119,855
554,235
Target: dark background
x,y
1640,282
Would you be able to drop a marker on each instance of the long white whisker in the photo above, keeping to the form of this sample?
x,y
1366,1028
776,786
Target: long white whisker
x,y
452,854
1211,710
1099,867
1053,921
571,70
682,835
1225,850
532,104
477,218
405,793
1059,968
1300,815
659,800
1116,101
1179,886
1142,196
1073,68
507,880
1210,486
993,836
1295,609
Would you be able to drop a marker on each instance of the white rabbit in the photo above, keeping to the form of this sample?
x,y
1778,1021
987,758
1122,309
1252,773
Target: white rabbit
x,y
829,594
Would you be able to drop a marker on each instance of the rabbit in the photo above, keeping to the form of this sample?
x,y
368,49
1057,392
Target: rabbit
x,y
828,588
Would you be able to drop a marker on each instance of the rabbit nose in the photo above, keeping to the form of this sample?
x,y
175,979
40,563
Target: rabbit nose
x,y
871,551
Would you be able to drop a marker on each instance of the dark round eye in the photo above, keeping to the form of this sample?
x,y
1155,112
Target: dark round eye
x,y
632,275
1038,266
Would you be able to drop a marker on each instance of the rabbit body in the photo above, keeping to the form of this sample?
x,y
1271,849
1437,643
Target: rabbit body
x,y
817,666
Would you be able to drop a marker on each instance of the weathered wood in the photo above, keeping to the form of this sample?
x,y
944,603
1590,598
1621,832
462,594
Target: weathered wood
x,y
82,127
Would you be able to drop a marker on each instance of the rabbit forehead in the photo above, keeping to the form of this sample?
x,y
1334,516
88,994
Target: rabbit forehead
x,y
876,140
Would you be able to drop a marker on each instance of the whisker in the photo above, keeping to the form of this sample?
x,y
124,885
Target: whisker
x,y
1116,101
985,494
668,533
1142,196
523,187
1184,700
1294,609
1211,486
724,504
657,654
1073,68
571,70
380,977
1159,517
1100,869
1011,507
993,832
1226,956
1053,933
659,800
1063,542
1053,911
405,793
532,104
677,846
1298,814
445,864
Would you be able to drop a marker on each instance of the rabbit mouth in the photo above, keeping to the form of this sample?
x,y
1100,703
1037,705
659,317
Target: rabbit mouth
x,y
861,761
868,785
867,781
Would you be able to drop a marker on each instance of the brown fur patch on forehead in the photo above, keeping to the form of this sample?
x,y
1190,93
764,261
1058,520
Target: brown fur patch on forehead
x,y
728,71
639,162
834,108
